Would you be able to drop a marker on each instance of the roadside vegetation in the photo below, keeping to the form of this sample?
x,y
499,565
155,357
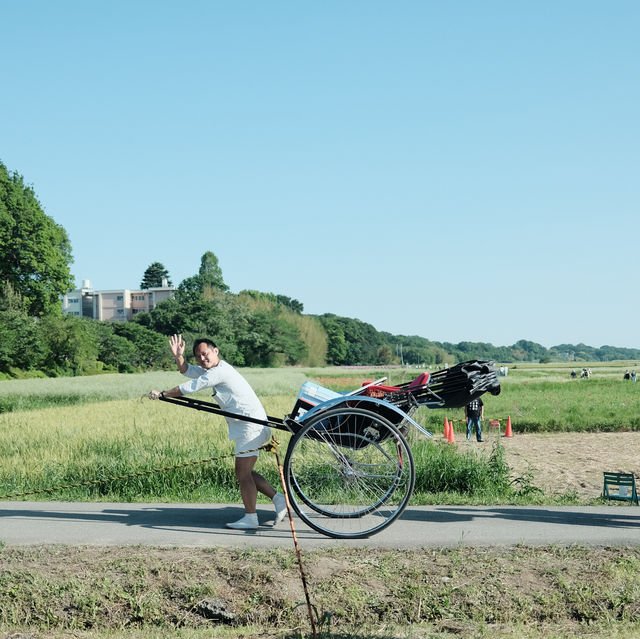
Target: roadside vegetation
x,y
95,593
61,431
55,432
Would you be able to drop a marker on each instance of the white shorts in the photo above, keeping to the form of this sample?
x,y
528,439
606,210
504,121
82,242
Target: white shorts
x,y
253,437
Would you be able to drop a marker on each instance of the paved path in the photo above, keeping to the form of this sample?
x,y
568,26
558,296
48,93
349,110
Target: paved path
x,y
105,524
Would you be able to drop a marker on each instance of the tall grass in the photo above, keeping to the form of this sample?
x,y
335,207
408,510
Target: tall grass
x,y
27,394
56,432
63,445
606,404
441,468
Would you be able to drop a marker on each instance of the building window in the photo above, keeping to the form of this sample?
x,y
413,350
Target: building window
x,y
119,298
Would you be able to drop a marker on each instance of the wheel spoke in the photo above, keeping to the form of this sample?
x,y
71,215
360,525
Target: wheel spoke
x,y
350,472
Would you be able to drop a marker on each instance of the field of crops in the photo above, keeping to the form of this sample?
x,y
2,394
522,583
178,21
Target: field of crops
x,y
68,431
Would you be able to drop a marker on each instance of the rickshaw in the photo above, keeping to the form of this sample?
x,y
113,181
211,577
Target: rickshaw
x,y
348,469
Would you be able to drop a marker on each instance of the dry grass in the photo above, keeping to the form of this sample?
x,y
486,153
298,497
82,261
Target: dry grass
x,y
461,591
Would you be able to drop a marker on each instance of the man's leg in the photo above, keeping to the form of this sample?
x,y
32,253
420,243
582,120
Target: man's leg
x,y
250,483
247,483
478,429
248,491
277,498
262,485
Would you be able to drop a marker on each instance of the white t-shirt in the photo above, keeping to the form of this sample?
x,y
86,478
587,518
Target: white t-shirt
x,y
231,391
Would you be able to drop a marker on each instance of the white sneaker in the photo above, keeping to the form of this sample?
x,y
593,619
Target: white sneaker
x,y
248,522
280,504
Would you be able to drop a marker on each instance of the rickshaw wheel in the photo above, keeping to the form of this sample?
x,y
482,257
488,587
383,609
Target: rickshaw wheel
x,y
349,473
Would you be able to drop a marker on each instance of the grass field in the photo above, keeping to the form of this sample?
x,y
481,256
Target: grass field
x,y
65,431
62,431
517,593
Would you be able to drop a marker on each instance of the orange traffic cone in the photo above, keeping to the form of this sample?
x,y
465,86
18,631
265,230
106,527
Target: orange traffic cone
x,y
452,435
508,432
446,429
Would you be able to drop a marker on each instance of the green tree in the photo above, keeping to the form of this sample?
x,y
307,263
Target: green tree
x,y
70,345
385,355
293,304
281,300
153,276
337,345
526,350
221,317
361,339
114,352
209,278
314,336
20,346
35,252
271,341
211,273
152,349
117,353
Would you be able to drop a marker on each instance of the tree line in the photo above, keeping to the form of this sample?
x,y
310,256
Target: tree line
x,y
251,328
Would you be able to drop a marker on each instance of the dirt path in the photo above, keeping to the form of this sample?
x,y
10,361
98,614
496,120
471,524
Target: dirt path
x,y
563,462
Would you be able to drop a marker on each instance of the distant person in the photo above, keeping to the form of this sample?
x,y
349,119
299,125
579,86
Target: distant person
x,y
626,375
634,377
474,413
574,374
234,394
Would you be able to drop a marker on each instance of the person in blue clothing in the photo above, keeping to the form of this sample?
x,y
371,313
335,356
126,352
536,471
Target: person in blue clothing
x,y
474,413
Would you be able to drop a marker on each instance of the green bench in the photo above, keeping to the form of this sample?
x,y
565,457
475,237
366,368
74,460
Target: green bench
x,y
621,486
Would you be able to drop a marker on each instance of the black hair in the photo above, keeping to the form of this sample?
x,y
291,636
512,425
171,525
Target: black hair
x,y
204,340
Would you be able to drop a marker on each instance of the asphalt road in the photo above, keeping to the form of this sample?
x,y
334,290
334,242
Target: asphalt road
x,y
168,525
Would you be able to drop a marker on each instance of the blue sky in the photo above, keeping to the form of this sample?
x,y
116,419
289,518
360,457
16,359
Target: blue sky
x,y
457,170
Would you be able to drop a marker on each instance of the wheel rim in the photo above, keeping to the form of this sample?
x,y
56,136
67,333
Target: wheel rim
x,y
350,472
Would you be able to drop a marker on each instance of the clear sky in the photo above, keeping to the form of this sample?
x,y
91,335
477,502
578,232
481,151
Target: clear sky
x,y
457,170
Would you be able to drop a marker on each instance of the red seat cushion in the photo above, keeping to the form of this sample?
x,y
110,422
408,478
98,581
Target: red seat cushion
x,y
379,390
421,380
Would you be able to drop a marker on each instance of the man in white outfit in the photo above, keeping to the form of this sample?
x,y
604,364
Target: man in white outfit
x,y
234,394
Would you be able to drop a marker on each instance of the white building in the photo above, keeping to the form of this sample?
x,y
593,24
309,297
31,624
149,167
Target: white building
x,y
116,305
79,302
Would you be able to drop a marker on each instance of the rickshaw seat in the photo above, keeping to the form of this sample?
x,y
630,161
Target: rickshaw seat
x,y
421,380
378,390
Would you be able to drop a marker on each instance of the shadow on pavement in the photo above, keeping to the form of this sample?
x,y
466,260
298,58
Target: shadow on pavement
x,y
183,519
618,517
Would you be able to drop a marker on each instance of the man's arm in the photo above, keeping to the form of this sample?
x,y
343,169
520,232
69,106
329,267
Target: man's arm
x,y
177,349
172,392
176,344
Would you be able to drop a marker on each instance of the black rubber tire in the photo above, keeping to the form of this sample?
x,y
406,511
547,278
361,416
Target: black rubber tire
x,y
349,473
